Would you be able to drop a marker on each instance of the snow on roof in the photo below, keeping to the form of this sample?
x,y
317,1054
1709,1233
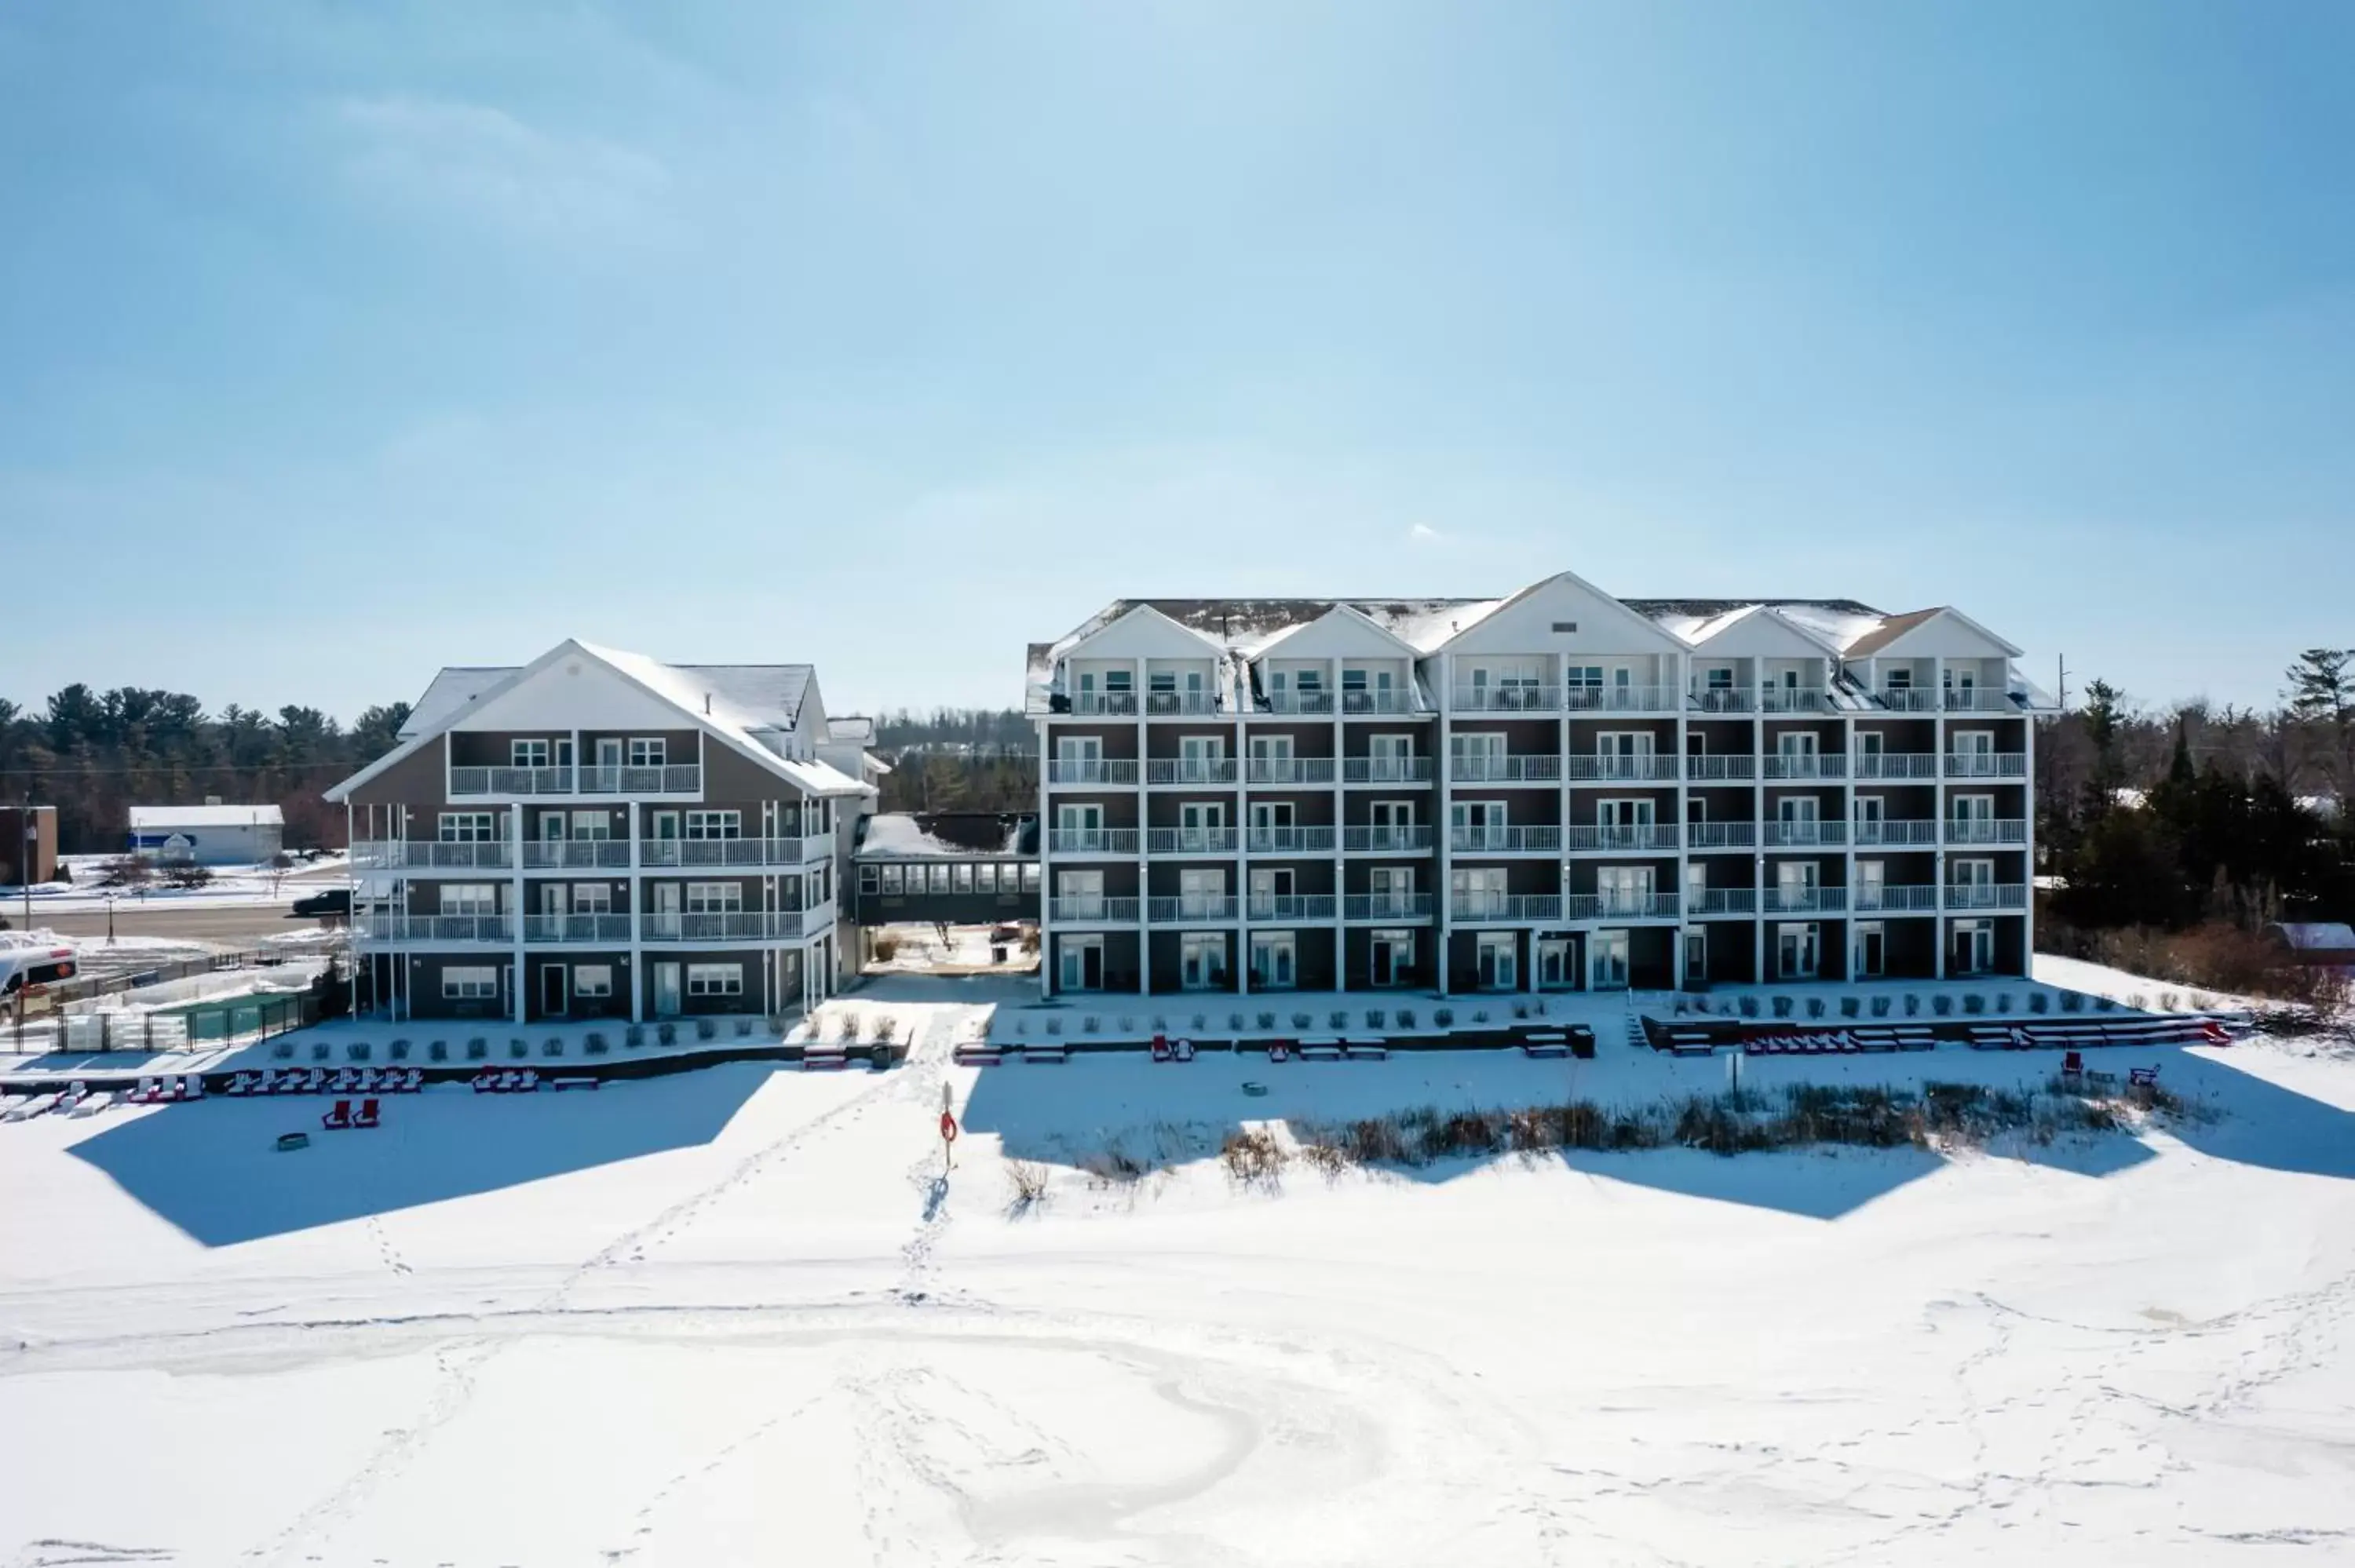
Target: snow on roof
x,y
450,691
945,835
143,817
2317,936
850,727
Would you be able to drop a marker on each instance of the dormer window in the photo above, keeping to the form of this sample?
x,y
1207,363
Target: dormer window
x,y
1898,680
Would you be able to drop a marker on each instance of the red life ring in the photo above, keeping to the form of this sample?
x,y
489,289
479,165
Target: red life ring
x,y
948,1127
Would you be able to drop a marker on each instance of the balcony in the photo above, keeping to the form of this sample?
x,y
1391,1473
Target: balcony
x,y
1805,835
1986,765
1387,840
1091,840
1724,699
1106,705
1723,835
1887,834
1624,837
1386,906
1289,840
1975,700
1288,770
1987,895
679,779
1197,771
1793,700
442,930
1377,701
1621,907
1290,906
1806,900
1503,908
1386,770
1189,840
668,853
427,854
602,929
1804,765
1585,699
1724,901
1513,699
1896,899
1178,704
1112,771
1987,831
467,782
721,925
1705,769
1316,704
1190,909
1496,768
1622,769
1907,700
1541,839
1087,910
576,854
1896,765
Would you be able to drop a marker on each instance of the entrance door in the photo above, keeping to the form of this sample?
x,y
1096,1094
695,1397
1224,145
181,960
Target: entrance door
x,y
1078,894
554,981
1870,812
1200,892
1870,950
551,827
1974,947
1198,823
1080,963
1202,759
666,827
1557,963
1394,824
1271,758
665,990
1607,968
1797,952
1390,758
556,898
1871,877
1493,961
1271,825
609,751
1201,960
1697,955
1079,827
1393,957
1274,957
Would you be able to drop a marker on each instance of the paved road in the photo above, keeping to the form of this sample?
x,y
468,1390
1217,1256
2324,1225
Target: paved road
x,y
227,925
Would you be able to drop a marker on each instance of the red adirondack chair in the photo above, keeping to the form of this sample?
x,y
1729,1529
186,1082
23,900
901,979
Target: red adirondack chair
x,y
368,1115
338,1119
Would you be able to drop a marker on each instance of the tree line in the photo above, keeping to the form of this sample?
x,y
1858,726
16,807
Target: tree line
x,y
959,760
93,754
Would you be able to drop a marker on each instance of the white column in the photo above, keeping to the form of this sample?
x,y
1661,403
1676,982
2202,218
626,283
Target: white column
x,y
516,888
1442,764
1144,862
2028,850
1045,865
1239,872
1938,789
1678,695
638,918
1758,820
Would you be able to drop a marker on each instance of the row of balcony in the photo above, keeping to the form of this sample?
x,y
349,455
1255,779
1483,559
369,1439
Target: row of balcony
x,y
608,929
1542,838
1514,909
576,854
1491,767
1519,696
1213,909
676,779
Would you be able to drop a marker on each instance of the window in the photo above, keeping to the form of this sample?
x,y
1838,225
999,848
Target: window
x,y
890,879
1587,675
939,879
592,825
715,979
1898,680
1720,678
715,824
1353,680
469,827
1029,877
963,877
477,898
869,880
1164,681
592,898
470,984
647,751
527,753
714,897
1118,681
985,877
592,979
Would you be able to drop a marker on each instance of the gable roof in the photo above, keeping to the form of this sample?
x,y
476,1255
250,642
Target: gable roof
x,y
1648,623
1895,627
205,817
734,703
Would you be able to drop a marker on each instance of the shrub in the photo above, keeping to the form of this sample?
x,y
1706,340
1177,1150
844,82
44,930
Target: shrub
x,y
1520,1010
666,1033
597,1045
1782,1007
1815,1006
319,1050
1406,1018
1127,1024
1235,1021
2039,1002
886,1028
1443,1017
1336,1020
1301,1019
2003,1002
709,1029
1974,1004
188,873
1328,1158
1253,1155
553,1046
1089,1024
744,1028
398,1051
1479,1015
478,1049
1029,1179
887,947
439,1050
1881,1005
1913,1005
1054,1027
1942,1004
357,1051
127,871
2139,1002
1375,1018
283,1049
2169,1002
1850,1006
1749,1005
2072,1001
1111,1165
517,1050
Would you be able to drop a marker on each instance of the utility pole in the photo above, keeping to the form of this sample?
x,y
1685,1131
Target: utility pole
x,y
2062,662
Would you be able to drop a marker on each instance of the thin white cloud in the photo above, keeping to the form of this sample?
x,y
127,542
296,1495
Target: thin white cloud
x,y
1425,534
491,168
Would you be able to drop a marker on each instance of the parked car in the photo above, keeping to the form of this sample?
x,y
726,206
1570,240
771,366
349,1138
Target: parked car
x,y
334,905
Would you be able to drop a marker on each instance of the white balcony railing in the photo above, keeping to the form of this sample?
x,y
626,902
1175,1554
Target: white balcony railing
x,y
1986,765
1895,897
1119,770
1987,831
576,927
1377,701
471,781
1091,840
1383,839
1907,699
1712,768
1724,901
1787,835
1657,765
457,930
1289,906
1114,705
1086,910
428,854
1386,770
1987,895
1625,836
1806,900
1496,908
1193,770
1386,906
1804,765
576,854
668,852
1978,700
1509,699
1165,705
1888,835
1288,770
1496,768
1723,835
1504,839
1896,765
1190,909
1622,699
1297,701
657,779
1793,700
1289,840
1189,840
1724,699
721,925
1621,907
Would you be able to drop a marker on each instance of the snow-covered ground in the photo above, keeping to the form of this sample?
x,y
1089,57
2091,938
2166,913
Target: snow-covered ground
x,y
917,948
738,1314
230,885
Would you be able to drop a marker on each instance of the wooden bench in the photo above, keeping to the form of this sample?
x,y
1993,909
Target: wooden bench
x,y
1321,1049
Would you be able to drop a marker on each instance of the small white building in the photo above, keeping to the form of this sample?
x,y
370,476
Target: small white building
x,y
210,834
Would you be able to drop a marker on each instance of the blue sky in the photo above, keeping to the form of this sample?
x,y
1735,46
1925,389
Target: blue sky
x,y
338,342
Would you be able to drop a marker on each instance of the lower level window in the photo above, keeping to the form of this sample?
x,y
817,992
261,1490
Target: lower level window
x,y
470,984
715,979
592,979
